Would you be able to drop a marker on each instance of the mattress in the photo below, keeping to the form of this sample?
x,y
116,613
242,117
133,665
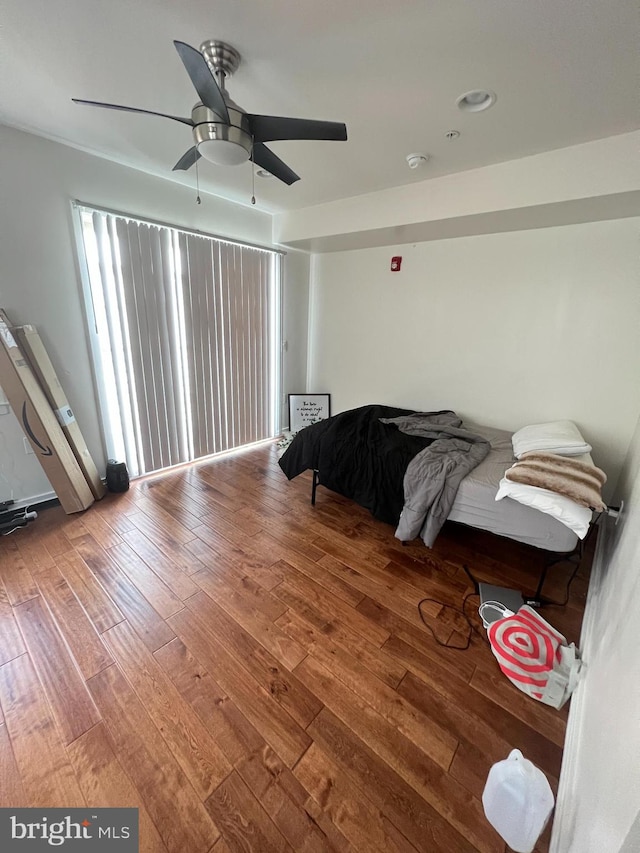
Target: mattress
x,y
476,506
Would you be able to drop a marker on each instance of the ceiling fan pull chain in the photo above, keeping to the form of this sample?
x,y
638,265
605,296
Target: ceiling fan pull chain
x,y
253,176
198,199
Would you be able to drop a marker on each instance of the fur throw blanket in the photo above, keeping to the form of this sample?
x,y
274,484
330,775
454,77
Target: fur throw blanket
x,y
579,481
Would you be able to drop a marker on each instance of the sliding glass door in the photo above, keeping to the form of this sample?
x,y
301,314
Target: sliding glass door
x,y
185,335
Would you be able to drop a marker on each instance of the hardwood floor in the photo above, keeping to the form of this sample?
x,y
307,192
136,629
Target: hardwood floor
x,y
253,674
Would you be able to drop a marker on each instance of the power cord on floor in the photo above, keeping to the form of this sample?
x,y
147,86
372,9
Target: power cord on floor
x,y
459,611
592,527
476,591
14,519
567,591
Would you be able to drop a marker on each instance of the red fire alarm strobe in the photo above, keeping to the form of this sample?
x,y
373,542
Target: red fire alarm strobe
x,y
396,262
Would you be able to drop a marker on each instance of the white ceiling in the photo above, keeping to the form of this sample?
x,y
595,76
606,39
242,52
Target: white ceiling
x,y
565,72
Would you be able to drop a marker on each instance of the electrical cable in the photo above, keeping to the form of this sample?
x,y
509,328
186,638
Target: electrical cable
x,y
476,591
459,611
567,591
576,569
13,529
15,520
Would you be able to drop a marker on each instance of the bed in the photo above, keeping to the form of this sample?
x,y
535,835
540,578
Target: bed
x,y
476,505
362,455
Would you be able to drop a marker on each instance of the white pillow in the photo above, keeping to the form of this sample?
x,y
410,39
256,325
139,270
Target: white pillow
x,y
561,437
574,516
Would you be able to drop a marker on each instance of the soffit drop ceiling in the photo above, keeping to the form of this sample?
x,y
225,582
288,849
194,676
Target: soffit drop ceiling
x,y
564,73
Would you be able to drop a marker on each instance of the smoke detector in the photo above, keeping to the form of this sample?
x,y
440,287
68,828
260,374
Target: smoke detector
x,y
476,100
416,160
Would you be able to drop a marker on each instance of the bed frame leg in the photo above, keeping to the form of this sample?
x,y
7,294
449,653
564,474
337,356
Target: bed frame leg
x,y
536,601
574,557
314,484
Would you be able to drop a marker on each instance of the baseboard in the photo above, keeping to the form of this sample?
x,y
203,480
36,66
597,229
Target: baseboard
x,y
38,501
43,501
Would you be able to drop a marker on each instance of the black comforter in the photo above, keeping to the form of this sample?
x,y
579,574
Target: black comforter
x,y
358,457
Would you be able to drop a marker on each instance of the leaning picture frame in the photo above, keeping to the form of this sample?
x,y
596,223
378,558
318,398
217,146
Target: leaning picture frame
x,y
307,409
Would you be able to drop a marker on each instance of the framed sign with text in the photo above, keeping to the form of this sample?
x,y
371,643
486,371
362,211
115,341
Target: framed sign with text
x,y
306,409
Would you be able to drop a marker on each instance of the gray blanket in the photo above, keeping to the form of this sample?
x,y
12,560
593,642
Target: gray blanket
x,y
432,478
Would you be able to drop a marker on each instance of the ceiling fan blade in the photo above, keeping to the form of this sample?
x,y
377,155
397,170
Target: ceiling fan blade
x,y
265,158
202,79
132,110
270,128
187,160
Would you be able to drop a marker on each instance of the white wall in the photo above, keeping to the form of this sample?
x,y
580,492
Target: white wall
x,y
581,183
40,284
506,329
599,793
295,301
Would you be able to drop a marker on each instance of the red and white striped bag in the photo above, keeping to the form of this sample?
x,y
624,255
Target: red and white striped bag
x,y
534,656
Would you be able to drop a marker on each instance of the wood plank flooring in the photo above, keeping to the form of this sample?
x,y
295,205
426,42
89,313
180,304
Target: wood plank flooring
x,y
253,674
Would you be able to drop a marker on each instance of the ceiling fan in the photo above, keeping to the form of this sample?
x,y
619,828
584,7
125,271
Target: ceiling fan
x,y
222,131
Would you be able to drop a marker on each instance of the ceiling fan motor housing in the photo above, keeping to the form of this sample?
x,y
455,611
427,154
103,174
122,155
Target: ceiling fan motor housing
x,y
222,131
210,129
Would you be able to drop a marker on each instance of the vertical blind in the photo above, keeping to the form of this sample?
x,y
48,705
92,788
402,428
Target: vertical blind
x,y
185,333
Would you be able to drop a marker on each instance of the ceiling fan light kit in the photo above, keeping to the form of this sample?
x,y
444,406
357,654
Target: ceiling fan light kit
x,y
221,143
223,132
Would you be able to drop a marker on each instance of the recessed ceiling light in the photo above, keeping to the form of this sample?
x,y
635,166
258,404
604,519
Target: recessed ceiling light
x,y
262,173
452,134
476,100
